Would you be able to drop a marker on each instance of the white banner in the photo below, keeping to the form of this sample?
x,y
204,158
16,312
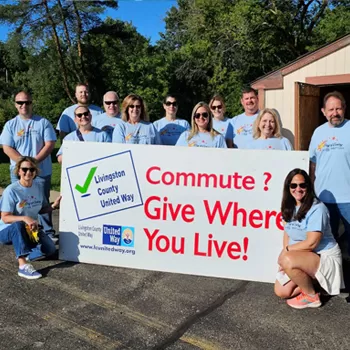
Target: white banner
x,y
201,211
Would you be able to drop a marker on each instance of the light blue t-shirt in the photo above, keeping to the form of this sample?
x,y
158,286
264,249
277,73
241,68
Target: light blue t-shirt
x,y
316,219
201,139
95,135
106,123
170,131
330,150
224,127
20,200
272,143
141,133
28,137
66,122
243,130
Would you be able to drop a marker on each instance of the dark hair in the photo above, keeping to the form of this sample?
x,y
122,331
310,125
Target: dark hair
x,y
288,201
248,90
335,94
170,95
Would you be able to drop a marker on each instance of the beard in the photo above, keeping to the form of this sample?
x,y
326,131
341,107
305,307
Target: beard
x,y
336,120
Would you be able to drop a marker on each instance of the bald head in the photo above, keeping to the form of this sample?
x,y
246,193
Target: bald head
x,y
23,104
110,103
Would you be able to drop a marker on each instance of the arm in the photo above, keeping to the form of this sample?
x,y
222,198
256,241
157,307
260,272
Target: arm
x,y
45,151
312,168
312,240
55,205
9,218
11,153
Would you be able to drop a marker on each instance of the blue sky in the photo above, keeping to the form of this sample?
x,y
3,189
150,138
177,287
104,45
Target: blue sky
x,y
146,15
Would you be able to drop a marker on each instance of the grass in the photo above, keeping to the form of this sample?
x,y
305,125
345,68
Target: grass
x,y
5,171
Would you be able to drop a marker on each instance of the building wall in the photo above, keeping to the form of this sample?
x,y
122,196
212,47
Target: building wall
x,y
283,99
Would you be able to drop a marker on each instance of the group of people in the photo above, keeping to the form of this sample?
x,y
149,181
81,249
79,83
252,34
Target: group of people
x,y
310,251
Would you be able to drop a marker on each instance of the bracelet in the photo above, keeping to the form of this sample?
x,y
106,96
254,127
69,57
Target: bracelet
x,y
287,249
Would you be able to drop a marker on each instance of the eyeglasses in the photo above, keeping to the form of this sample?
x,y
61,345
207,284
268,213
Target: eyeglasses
x,y
216,107
32,170
205,115
135,106
85,114
21,103
111,102
168,103
302,185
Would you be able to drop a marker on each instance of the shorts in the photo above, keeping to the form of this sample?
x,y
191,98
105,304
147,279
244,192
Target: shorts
x,y
330,271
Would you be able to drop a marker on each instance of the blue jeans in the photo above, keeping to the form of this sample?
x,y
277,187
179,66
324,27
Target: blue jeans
x,y
45,220
340,211
16,235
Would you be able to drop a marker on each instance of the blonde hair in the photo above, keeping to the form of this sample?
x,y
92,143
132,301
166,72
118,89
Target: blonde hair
x,y
128,100
31,160
277,131
221,100
194,126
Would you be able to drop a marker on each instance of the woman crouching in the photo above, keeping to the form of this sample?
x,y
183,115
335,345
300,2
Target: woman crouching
x,y
310,251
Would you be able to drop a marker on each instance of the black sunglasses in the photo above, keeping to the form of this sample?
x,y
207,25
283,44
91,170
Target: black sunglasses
x,y
216,107
111,102
21,103
302,185
32,170
205,115
85,114
135,106
168,103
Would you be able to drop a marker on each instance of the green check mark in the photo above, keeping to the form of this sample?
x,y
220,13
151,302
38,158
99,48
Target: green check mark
x,y
83,189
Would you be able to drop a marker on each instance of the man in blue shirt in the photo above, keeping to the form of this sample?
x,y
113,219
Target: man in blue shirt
x,y
30,135
330,162
66,123
85,132
108,120
243,123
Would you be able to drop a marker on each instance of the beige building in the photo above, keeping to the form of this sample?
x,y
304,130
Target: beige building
x,y
297,89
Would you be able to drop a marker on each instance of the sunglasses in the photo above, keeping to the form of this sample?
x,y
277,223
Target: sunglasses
x,y
32,170
85,114
21,103
302,185
216,107
135,106
111,102
205,115
168,103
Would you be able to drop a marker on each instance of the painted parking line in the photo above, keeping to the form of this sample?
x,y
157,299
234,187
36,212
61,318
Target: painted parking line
x,y
89,335
117,308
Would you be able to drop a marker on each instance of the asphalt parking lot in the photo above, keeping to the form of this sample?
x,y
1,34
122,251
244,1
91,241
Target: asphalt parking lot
x,y
81,306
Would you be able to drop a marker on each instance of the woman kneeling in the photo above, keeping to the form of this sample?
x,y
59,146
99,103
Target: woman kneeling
x,y
21,203
310,251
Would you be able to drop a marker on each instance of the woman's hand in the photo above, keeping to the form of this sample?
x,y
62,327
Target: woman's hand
x,y
56,203
33,224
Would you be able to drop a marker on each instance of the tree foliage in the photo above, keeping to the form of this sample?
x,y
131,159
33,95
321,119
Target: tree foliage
x,y
209,46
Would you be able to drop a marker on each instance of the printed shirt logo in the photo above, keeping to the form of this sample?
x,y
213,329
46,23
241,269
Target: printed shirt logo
x,y
245,129
22,203
330,144
20,133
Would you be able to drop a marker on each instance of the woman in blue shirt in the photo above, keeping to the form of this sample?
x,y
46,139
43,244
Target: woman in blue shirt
x,y
267,133
202,133
310,251
135,129
21,203
221,123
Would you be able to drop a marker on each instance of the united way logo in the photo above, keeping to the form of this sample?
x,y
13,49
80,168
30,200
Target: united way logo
x,y
118,235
